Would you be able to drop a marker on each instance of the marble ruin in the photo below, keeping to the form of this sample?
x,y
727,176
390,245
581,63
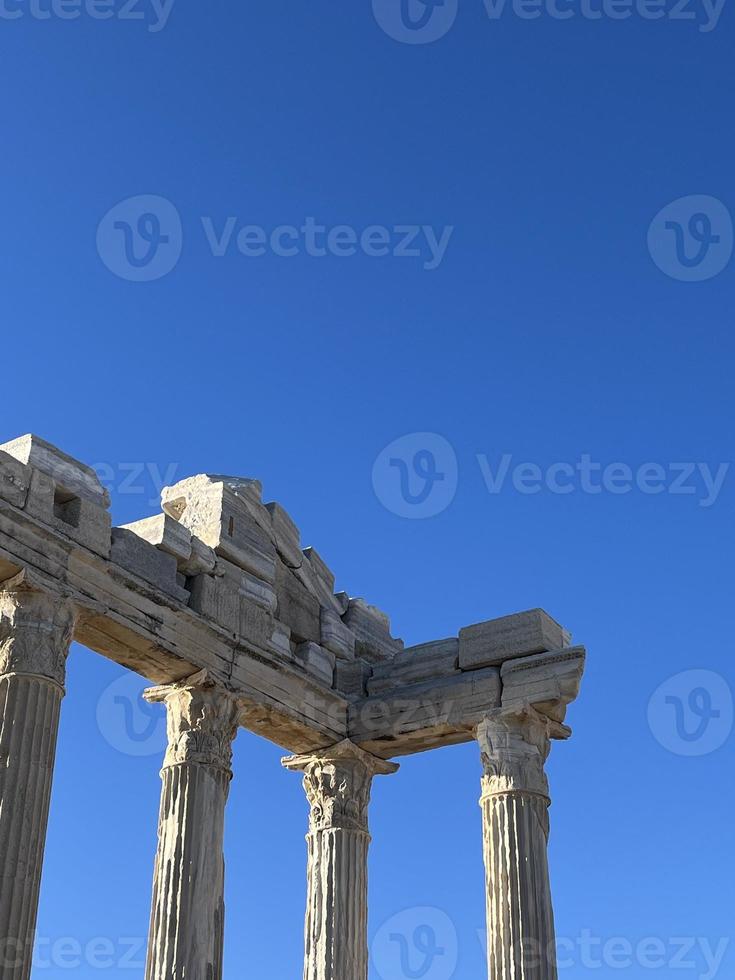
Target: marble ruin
x,y
217,604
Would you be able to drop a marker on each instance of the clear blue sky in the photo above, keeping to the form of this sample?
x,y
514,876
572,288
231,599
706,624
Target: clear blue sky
x,y
546,332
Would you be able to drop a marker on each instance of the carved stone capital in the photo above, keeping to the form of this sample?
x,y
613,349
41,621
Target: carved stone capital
x,y
36,629
515,744
202,721
337,782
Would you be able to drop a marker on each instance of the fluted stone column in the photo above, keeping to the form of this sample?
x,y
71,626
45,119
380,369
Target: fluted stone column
x,y
35,635
337,783
515,800
187,914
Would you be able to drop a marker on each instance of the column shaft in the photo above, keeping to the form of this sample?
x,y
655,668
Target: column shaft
x,y
515,801
188,888
35,634
337,783
186,938
336,908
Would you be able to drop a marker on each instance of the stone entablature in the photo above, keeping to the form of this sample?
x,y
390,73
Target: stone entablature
x,y
219,581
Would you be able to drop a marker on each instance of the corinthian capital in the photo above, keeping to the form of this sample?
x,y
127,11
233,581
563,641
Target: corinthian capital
x,y
202,719
337,782
36,629
515,744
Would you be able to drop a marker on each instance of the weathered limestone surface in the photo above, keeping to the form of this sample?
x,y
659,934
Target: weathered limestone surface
x,y
548,681
514,745
35,634
371,627
491,643
187,913
219,581
415,665
418,717
215,599
137,615
166,534
337,782
63,493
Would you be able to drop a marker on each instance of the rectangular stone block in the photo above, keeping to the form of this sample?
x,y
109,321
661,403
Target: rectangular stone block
x,y
236,600
371,627
421,717
256,624
287,536
138,556
317,586
202,559
519,635
320,568
281,640
316,661
297,608
548,681
226,520
217,598
415,665
257,592
15,480
351,678
59,491
80,519
164,533
76,478
342,602
335,636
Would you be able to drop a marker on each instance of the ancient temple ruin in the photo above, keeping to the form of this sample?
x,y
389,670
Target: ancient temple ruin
x,y
215,602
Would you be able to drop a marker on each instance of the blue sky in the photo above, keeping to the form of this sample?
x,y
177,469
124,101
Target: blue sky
x,y
559,325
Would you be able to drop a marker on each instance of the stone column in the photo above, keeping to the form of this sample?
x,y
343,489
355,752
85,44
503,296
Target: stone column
x,y
337,783
515,800
187,914
35,635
